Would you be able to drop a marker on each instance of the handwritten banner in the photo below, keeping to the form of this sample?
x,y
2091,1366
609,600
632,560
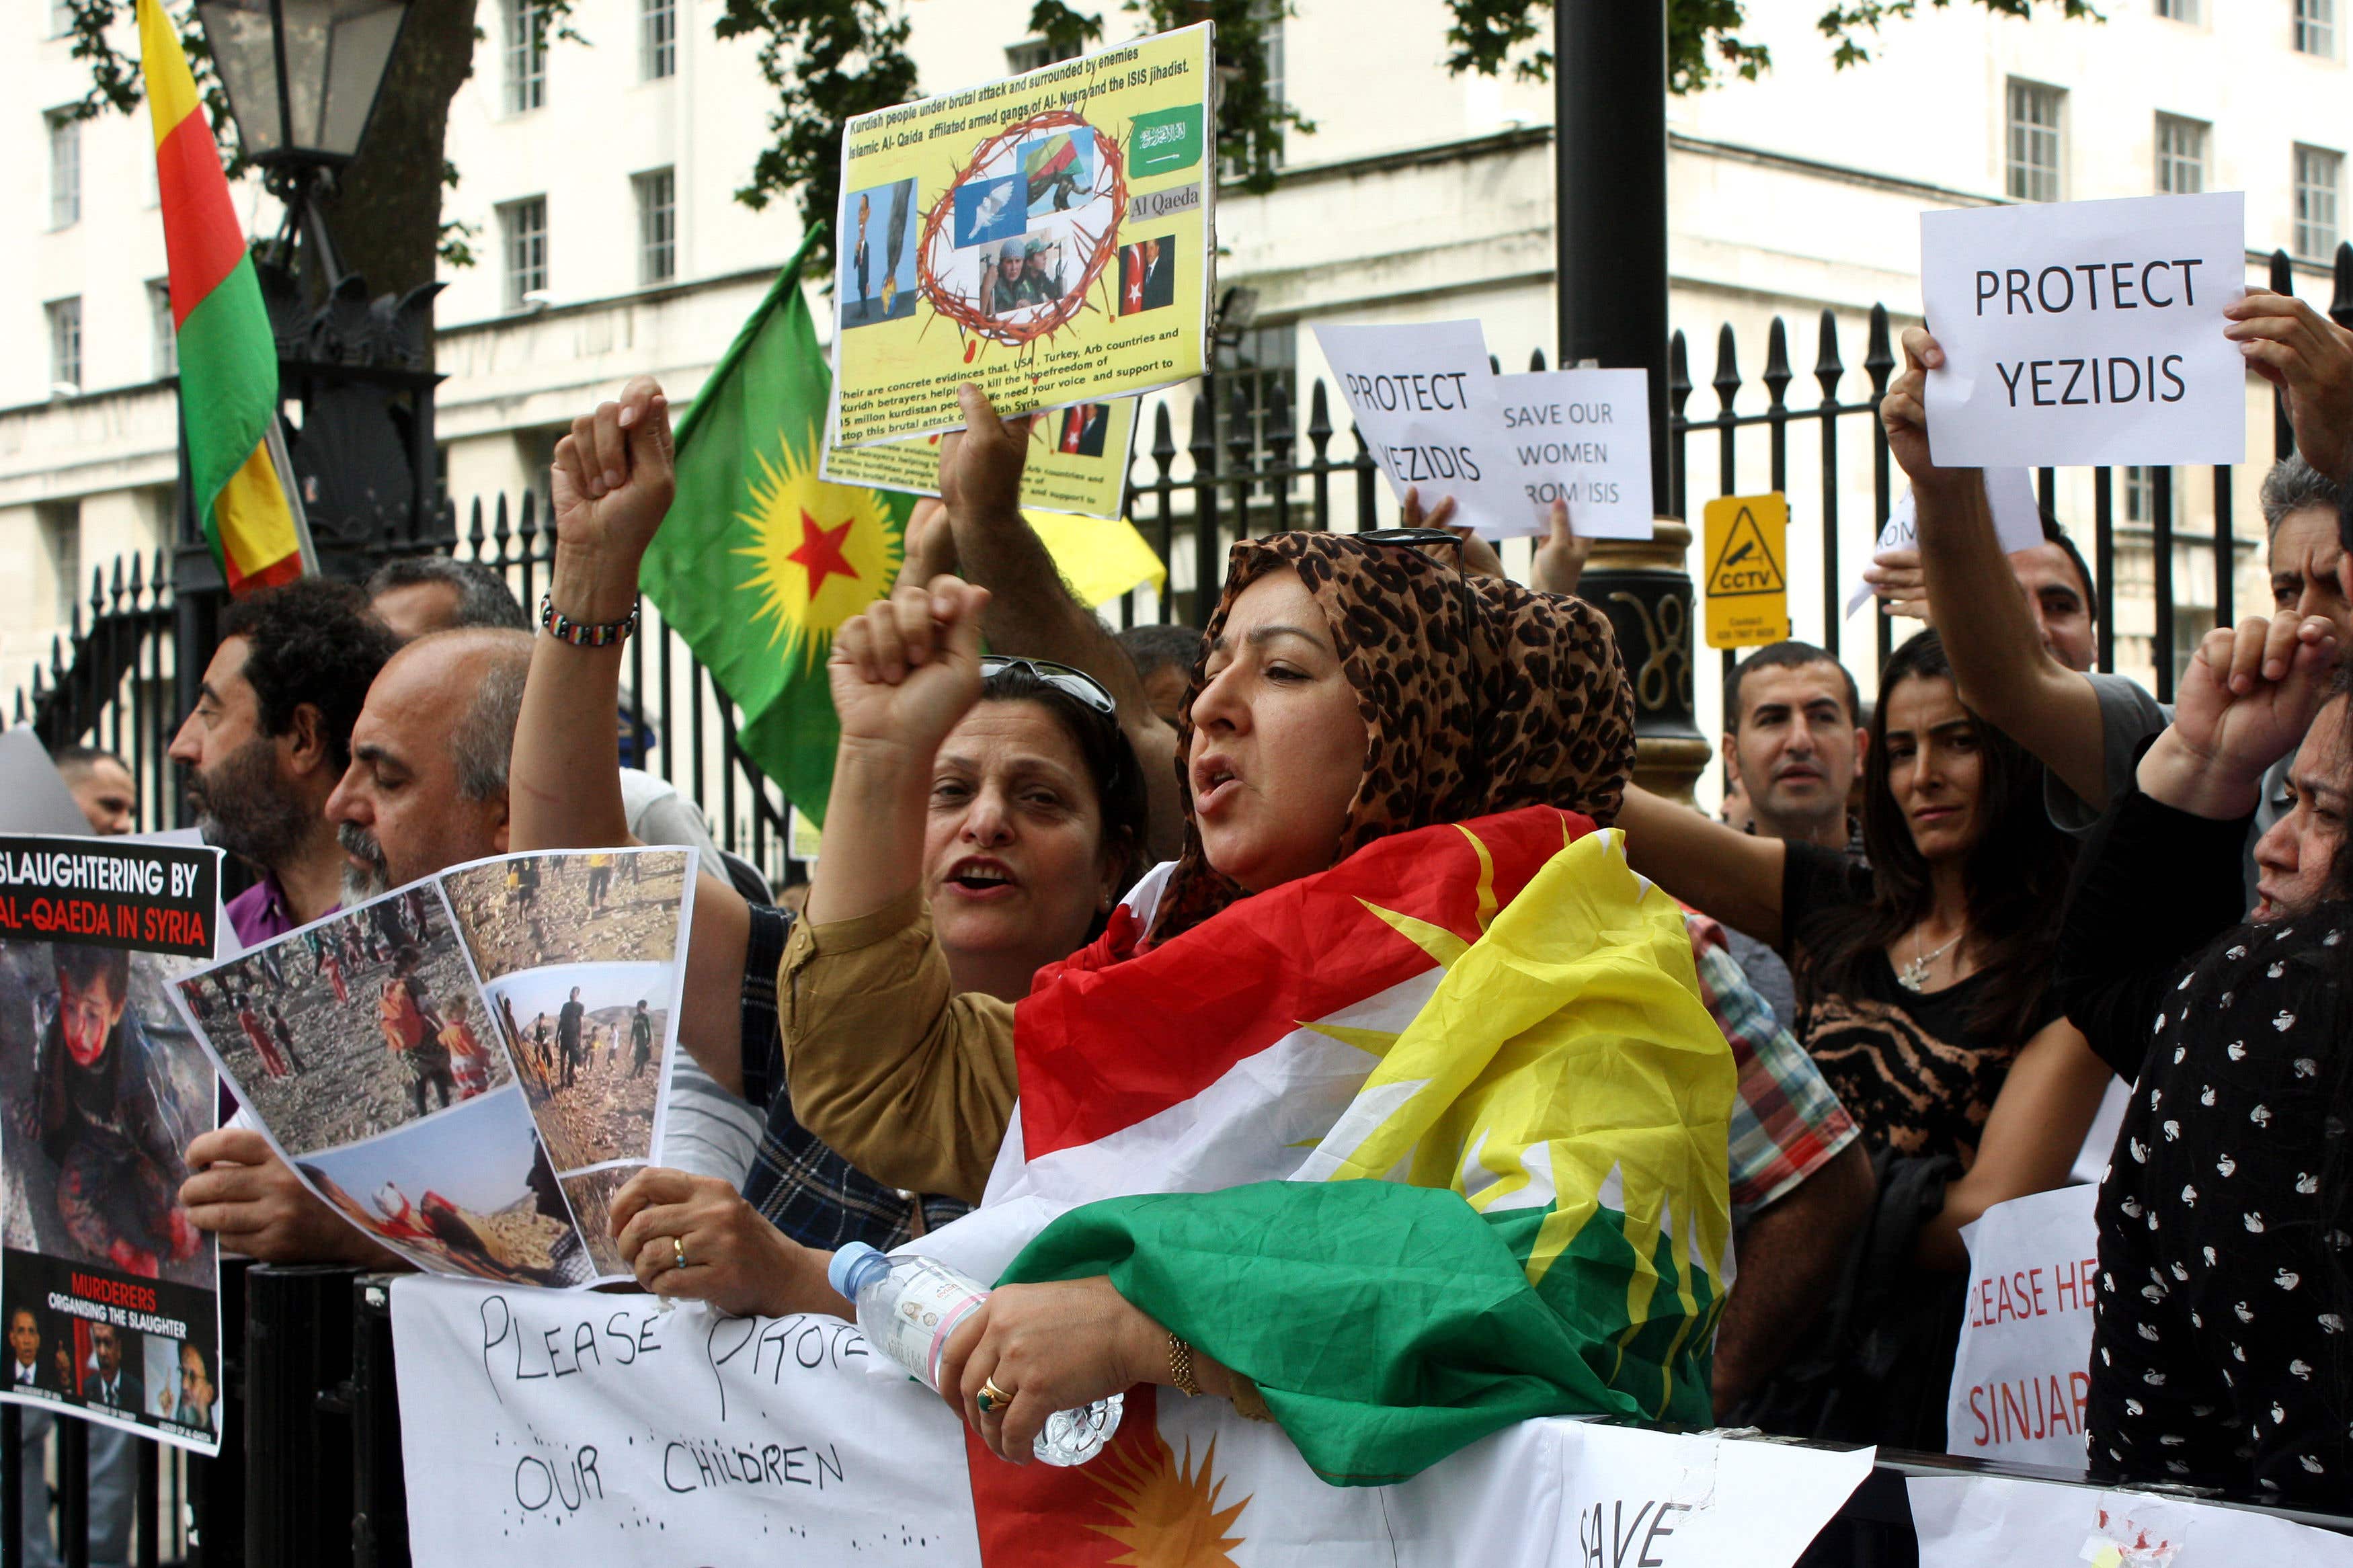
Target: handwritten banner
x,y
2023,1372
1969,1521
1583,436
551,1429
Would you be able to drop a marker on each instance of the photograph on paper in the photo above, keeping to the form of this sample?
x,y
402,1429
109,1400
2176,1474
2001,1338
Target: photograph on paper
x,y
361,1023
598,906
468,1191
588,1042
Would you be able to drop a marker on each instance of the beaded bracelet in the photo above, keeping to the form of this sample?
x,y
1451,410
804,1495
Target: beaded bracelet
x,y
558,625
1180,1366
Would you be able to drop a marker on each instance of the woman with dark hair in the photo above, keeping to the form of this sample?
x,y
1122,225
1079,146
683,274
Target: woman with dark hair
x,y
2225,1307
1923,993
1394,947
1033,826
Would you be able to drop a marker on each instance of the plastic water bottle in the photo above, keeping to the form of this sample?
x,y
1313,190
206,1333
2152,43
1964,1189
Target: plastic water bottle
x,y
908,1305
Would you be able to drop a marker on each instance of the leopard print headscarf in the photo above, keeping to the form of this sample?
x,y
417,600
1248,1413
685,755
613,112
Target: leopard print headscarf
x,y
1478,696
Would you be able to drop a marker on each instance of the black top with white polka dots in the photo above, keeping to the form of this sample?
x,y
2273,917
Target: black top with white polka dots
x,y
2221,1353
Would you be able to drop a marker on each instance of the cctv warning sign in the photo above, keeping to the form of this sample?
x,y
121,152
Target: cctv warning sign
x,y
1748,590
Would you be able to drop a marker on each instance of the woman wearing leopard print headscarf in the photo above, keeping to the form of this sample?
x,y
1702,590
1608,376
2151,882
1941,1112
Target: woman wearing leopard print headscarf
x,y
1371,733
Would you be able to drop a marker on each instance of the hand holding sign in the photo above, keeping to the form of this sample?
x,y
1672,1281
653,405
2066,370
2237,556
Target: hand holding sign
x,y
2310,359
1425,402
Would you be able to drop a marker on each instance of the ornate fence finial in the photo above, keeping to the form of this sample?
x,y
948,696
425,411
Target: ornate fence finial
x,y
1827,367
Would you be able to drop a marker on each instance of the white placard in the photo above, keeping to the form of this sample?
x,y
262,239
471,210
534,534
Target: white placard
x,y
1425,398
2022,1374
2017,522
546,1429
1582,437
1967,1522
2086,333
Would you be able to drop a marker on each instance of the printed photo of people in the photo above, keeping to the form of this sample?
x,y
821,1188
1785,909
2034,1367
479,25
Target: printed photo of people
x,y
40,1351
470,1193
591,1195
877,255
1083,427
357,1025
1021,274
588,1044
180,1384
109,1368
1059,172
528,911
1147,275
104,1087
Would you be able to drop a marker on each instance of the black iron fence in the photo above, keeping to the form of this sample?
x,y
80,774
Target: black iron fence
x,y
114,678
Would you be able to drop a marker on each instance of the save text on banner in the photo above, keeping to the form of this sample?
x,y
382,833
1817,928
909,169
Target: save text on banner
x,y
1748,586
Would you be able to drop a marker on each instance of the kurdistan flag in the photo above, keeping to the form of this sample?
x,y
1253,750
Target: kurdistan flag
x,y
760,561
228,357
1498,1017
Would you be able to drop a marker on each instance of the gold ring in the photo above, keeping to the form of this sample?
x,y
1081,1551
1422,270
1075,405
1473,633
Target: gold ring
x,y
991,1398
678,1250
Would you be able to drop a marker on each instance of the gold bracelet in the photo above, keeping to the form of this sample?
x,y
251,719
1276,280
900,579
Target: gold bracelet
x,y
1180,1367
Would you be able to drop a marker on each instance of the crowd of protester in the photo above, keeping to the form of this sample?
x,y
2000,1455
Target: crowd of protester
x,y
1935,931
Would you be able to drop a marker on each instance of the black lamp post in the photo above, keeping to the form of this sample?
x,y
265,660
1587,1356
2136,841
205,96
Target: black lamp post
x,y
1609,149
303,78
355,375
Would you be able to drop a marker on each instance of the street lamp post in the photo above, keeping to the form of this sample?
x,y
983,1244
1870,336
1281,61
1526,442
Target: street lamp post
x,y
1609,151
355,375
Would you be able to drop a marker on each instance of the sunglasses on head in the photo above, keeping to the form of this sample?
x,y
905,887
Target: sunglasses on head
x,y
1070,682
1413,536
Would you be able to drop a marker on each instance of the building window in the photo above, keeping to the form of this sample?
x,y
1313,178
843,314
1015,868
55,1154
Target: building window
x,y
1268,14
1034,53
658,39
65,343
2035,149
1252,374
525,23
2315,27
2177,10
657,225
2319,177
167,336
60,528
65,168
2181,155
522,233
2140,496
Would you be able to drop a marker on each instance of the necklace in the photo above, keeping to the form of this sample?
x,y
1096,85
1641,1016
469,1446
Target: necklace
x,y
1914,976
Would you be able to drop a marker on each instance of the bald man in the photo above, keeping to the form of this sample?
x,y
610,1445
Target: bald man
x,y
426,790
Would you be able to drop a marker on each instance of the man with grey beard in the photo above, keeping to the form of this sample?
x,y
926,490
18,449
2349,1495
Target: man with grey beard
x,y
271,736
426,789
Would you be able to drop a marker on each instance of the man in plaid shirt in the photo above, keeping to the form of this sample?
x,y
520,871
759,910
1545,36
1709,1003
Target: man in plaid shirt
x,y
1801,1183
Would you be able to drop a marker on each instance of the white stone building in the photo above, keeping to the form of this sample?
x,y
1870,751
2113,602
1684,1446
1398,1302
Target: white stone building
x,y
602,177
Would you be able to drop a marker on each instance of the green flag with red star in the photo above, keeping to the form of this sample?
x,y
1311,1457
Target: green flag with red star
x,y
761,560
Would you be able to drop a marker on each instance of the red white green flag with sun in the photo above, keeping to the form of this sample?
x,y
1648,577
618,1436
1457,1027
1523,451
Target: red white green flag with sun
x,y
1431,1143
761,560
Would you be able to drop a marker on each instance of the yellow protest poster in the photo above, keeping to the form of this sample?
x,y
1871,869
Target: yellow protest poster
x,y
1047,236
1078,460
1743,539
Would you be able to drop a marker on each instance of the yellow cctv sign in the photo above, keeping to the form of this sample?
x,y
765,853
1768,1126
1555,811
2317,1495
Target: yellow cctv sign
x,y
1748,590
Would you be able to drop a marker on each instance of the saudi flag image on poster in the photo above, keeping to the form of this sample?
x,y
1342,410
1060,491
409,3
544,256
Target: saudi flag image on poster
x,y
761,560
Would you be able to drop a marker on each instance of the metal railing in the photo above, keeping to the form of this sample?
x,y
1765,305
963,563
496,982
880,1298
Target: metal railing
x,y
111,678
